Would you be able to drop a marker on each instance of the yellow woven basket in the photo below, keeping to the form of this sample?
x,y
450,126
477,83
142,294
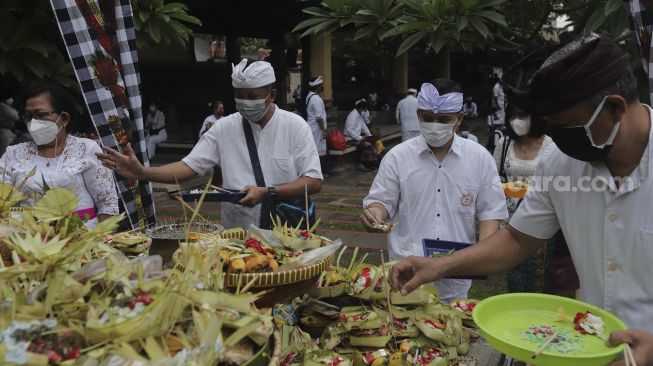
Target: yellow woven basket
x,y
265,279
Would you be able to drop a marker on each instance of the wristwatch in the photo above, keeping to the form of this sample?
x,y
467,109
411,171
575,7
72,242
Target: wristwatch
x,y
272,192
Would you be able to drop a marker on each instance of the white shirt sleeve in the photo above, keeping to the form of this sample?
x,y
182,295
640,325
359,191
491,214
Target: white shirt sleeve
x,y
474,109
385,188
491,201
305,155
100,184
350,127
206,154
365,130
5,166
536,215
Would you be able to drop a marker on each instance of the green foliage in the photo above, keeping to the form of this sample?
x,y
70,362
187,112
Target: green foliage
x,y
515,26
31,47
159,23
468,23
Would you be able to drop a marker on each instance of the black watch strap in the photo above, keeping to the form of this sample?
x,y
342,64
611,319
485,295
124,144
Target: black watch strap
x,y
272,192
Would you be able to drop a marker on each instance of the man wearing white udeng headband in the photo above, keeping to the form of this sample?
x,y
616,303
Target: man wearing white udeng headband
x,y
436,184
288,158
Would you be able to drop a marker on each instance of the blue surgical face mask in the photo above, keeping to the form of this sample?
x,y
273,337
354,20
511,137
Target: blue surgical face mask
x,y
252,110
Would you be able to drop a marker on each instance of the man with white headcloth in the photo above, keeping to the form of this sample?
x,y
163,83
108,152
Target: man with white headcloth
x,y
317,118
288,157
435,185
406,115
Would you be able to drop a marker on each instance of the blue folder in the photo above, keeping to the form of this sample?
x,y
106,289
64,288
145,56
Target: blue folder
x,y
443,246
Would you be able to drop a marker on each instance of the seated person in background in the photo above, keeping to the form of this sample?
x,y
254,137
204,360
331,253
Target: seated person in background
x,y
155,123
218,112
463,131
469,108
61,160
357,133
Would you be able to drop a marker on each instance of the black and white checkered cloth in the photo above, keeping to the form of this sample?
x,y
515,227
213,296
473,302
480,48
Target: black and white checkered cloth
x,y
84,40
641,21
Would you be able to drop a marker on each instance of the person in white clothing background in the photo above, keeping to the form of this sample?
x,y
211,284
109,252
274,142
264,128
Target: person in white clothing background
x,y
406,115
463,131
218,112
587,92
317,119
155,124
436,185
469,108
285,147
357,133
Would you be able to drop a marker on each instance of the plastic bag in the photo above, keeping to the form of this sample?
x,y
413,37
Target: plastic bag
x,y
336,140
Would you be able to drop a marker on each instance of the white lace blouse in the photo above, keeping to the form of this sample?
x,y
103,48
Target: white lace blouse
x,y
77,169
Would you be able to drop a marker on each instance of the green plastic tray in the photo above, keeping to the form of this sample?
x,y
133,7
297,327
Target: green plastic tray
x,y
504,321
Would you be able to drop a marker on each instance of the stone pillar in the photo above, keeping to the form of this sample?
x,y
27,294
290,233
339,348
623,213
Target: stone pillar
x,y
320,62
400,74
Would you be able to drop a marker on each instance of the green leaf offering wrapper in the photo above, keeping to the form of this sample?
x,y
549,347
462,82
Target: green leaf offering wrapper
x,y
445,327
332,336
465,307
325,358
361,318
362,281
370,341
423,295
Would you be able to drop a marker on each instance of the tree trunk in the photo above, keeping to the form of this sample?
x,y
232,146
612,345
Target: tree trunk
x,y
443,63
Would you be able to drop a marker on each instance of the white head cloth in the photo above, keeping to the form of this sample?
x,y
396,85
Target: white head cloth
x,y
362,100
412,90
429,99
317,81
256,75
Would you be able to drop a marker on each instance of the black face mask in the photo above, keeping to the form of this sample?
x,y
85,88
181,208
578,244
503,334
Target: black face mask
x,y
575,143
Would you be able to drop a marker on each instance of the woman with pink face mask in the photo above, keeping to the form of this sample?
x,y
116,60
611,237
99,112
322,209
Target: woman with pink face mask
x,y
517,155
60,160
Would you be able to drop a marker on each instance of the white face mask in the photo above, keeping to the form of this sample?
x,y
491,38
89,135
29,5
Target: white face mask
x,y
252,110
43,131
436,134
521,126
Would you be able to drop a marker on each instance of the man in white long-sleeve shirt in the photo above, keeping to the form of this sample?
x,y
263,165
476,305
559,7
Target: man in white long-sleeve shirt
x,y
355,125
357,133
406,115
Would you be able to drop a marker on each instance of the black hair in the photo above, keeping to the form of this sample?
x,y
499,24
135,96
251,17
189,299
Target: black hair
x,y
625,87
215,103
361,104
446,86
60,98
539,127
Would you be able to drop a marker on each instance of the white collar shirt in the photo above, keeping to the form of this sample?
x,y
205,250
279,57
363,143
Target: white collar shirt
x,y
286,152
608,229
315,109
407,114
435,199
355,126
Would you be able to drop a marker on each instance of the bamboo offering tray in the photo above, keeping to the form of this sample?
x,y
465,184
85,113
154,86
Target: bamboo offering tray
x,y
265,279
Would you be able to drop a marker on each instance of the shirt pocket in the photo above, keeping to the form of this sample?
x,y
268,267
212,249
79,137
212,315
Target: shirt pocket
x,y
465,199
281,165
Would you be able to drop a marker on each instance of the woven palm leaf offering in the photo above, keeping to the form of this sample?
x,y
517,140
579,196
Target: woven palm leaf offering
x,y
297,238
376,326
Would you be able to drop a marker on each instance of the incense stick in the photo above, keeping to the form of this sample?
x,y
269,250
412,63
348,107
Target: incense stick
x,y
629,357
372,214
546,344
308,225
250,283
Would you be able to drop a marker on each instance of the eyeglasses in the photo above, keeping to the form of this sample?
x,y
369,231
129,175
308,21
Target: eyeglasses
x,y
27,116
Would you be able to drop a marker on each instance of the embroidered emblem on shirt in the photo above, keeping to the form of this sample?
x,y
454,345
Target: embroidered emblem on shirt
x,y
467,199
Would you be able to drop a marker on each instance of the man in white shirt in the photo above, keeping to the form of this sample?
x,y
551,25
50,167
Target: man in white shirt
x,y
435,185
595,185
355,125
218,112
407,115
317,118
155,123
498,97
287,154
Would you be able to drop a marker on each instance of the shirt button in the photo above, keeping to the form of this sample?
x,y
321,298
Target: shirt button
x,y
438,189
612,266
437,238
612,218
439,166
438,215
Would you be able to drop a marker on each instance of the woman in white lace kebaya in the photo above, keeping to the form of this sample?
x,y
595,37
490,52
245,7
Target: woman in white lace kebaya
x,y
61,160
517,154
